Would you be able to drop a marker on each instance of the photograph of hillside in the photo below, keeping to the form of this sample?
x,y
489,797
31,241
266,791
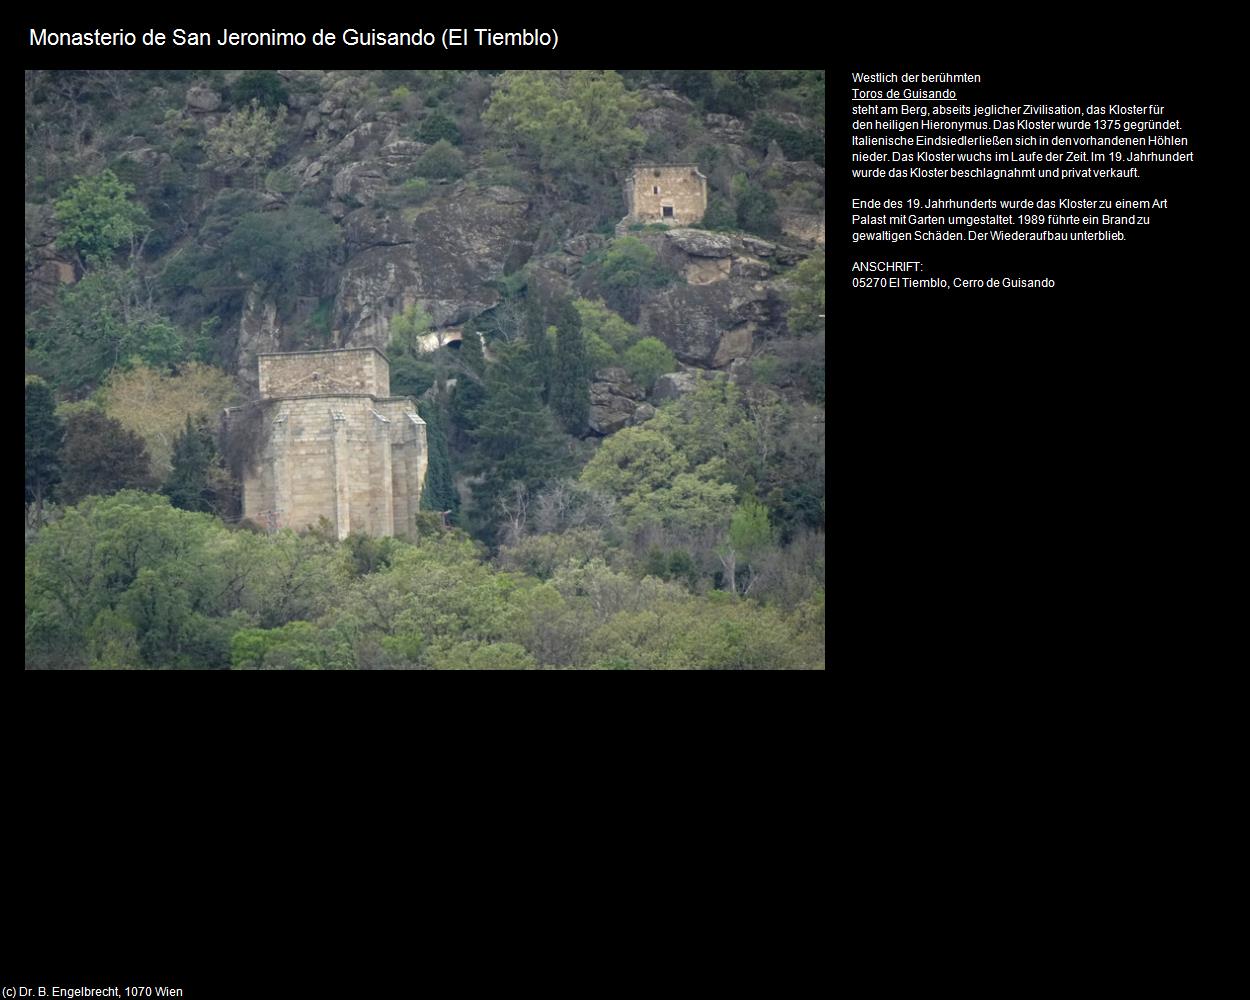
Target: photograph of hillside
x,y
424,369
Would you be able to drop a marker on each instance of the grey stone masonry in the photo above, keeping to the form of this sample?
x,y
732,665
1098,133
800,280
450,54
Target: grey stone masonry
x,y
334,443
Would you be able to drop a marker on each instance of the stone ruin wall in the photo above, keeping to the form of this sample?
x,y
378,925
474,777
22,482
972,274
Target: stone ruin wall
x,y
681,186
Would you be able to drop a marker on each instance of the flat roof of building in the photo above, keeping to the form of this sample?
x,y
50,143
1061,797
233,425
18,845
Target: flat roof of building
x,y
332,350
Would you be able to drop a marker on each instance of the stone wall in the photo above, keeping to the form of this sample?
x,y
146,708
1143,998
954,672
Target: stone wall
x,y
301,373
653,188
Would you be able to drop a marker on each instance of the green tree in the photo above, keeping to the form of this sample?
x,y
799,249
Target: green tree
x,y
481,656
293,646
796,143
627,270
263,86
437,126
516,439
598,319
287,249
539,348
198,480
407,329
647,360
442,161
570,385
471,356
757,209
807,295
658,485
101,323
633,462
44,434
692,505
599,353
575,123
97,216
749,536
411,377
101,457
244,141
81,568
709,423
156,404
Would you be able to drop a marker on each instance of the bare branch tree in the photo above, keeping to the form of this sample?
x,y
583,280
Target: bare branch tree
x,y
514,507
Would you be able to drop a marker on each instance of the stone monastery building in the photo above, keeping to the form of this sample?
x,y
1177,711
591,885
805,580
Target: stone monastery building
x,y
672,193
334,443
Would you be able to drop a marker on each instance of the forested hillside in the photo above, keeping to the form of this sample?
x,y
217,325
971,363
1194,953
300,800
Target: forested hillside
x,y
625,422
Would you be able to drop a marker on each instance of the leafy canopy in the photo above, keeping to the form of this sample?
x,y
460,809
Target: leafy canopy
x,y
575,122
97,216
807,295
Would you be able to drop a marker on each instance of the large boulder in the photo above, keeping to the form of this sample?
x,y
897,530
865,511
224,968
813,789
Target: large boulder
x,y
710,325
358,182
614,400
363,141
699,242
203,99
700,257
444,254
673,385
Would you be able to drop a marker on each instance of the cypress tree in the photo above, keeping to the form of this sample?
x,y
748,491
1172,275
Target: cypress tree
x,y
44,434
471,348
188,486
570,385
515,436
536,338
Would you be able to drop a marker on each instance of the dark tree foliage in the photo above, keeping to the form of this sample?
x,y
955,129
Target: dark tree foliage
x,y
436,126
796,143
441,161
626,271
471,348
101,457
261,85
44,434
466,407
516,438
570,383
540,348
440,492
368,554
757,210
411,377
197,478
287,248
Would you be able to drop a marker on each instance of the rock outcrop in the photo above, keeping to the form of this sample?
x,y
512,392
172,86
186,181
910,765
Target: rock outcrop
x,y
47,267
444,254
710,323
258,333
700,257
674,385
202,99
614,401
